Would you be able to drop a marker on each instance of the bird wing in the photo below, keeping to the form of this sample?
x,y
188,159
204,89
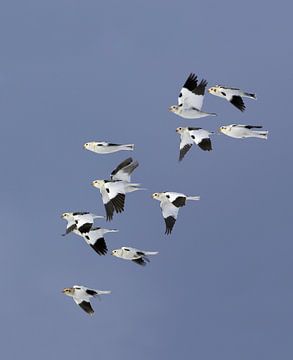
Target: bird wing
x,y
95,239
141,261
185,144
201,138
124,170
85,305
170,213
250,126
192,93
116,193
237,101
71,225
84,222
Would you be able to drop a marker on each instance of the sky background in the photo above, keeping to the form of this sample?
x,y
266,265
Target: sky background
x,y
76,71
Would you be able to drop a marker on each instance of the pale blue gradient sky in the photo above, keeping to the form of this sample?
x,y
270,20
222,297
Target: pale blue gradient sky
x,y
74,71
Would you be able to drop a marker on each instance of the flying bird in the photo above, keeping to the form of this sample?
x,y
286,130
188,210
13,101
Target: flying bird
x,y
243,131
170,202
233,95
95,238
102,147
124,170
80,221
140,257
113,194
190,99
82,295
193,135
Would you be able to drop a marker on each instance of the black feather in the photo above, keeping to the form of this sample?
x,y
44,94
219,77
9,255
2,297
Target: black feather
x,y
205,144
100,246
86,306
184,151
179,201
238,102
169,221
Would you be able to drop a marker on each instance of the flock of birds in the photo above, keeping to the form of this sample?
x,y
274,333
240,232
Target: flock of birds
x,y
114,190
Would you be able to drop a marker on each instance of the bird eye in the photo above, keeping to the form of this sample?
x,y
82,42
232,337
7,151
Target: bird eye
x,y
214,90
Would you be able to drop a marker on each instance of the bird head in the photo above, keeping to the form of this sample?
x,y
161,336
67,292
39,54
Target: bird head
x,y
180,130
98,183
68,291
116,252
174,109
223,129
156,196
215,90
66,215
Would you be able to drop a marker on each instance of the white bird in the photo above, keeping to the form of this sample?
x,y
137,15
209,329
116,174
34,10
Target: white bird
x,y
170,202
140,257
81,221
113,194
233,95
103,147
243,131
190,99
95,238
82,295
124,170
193,135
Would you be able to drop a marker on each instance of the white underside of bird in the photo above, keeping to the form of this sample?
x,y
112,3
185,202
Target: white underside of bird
x,y
81,221
170,202
103,147
243,131
138,256
82,296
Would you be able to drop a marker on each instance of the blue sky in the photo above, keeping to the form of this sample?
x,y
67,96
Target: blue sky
x,y
76,71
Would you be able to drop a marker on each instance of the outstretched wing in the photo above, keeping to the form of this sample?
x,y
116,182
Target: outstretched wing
x,y
192,93
124,170
185,144
201,138
170,212
85,305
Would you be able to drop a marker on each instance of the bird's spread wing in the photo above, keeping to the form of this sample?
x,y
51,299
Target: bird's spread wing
x,y
95,239
170,212
116,193
85,305
124,170
201,138
237,102
141,261
185,145
192,93
70,227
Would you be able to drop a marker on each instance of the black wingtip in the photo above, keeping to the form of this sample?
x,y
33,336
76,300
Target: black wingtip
x,y
238,102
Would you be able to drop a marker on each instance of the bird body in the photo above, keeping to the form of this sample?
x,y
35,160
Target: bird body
x,y
233,95
95,238
138,256
170,202
103,147
190,99
113,194
243,131
82,295
192,135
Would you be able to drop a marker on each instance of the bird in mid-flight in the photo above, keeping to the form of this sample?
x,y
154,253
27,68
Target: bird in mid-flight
x,y
113,194
82,295
80,221
140,257
103,147
243,131
193,135
233,95
190,99
170,202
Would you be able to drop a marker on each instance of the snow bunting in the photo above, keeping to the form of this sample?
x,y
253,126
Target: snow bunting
x,y
82,295
170,202
124,170
243,131
95,238
233,95
113,194
102,147
81,221
190,99
140,257
193,135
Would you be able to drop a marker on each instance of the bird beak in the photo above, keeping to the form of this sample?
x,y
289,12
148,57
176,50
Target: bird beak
x,y
170,109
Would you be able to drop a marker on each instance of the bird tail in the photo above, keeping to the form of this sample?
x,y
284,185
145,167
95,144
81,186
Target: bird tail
x,y
151,252
250,95
98,217
134,187
113,230
103,292
193,197
129,147
261,134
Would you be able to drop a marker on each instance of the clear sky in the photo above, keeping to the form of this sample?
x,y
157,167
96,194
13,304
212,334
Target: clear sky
x,y
74,71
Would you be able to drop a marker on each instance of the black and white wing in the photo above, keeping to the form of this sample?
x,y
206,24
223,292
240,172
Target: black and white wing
x,y
71,226
170,212
185,144
238,102
96,240
201,138
192,93
113,196
124,170
84,222
85,305
142,261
